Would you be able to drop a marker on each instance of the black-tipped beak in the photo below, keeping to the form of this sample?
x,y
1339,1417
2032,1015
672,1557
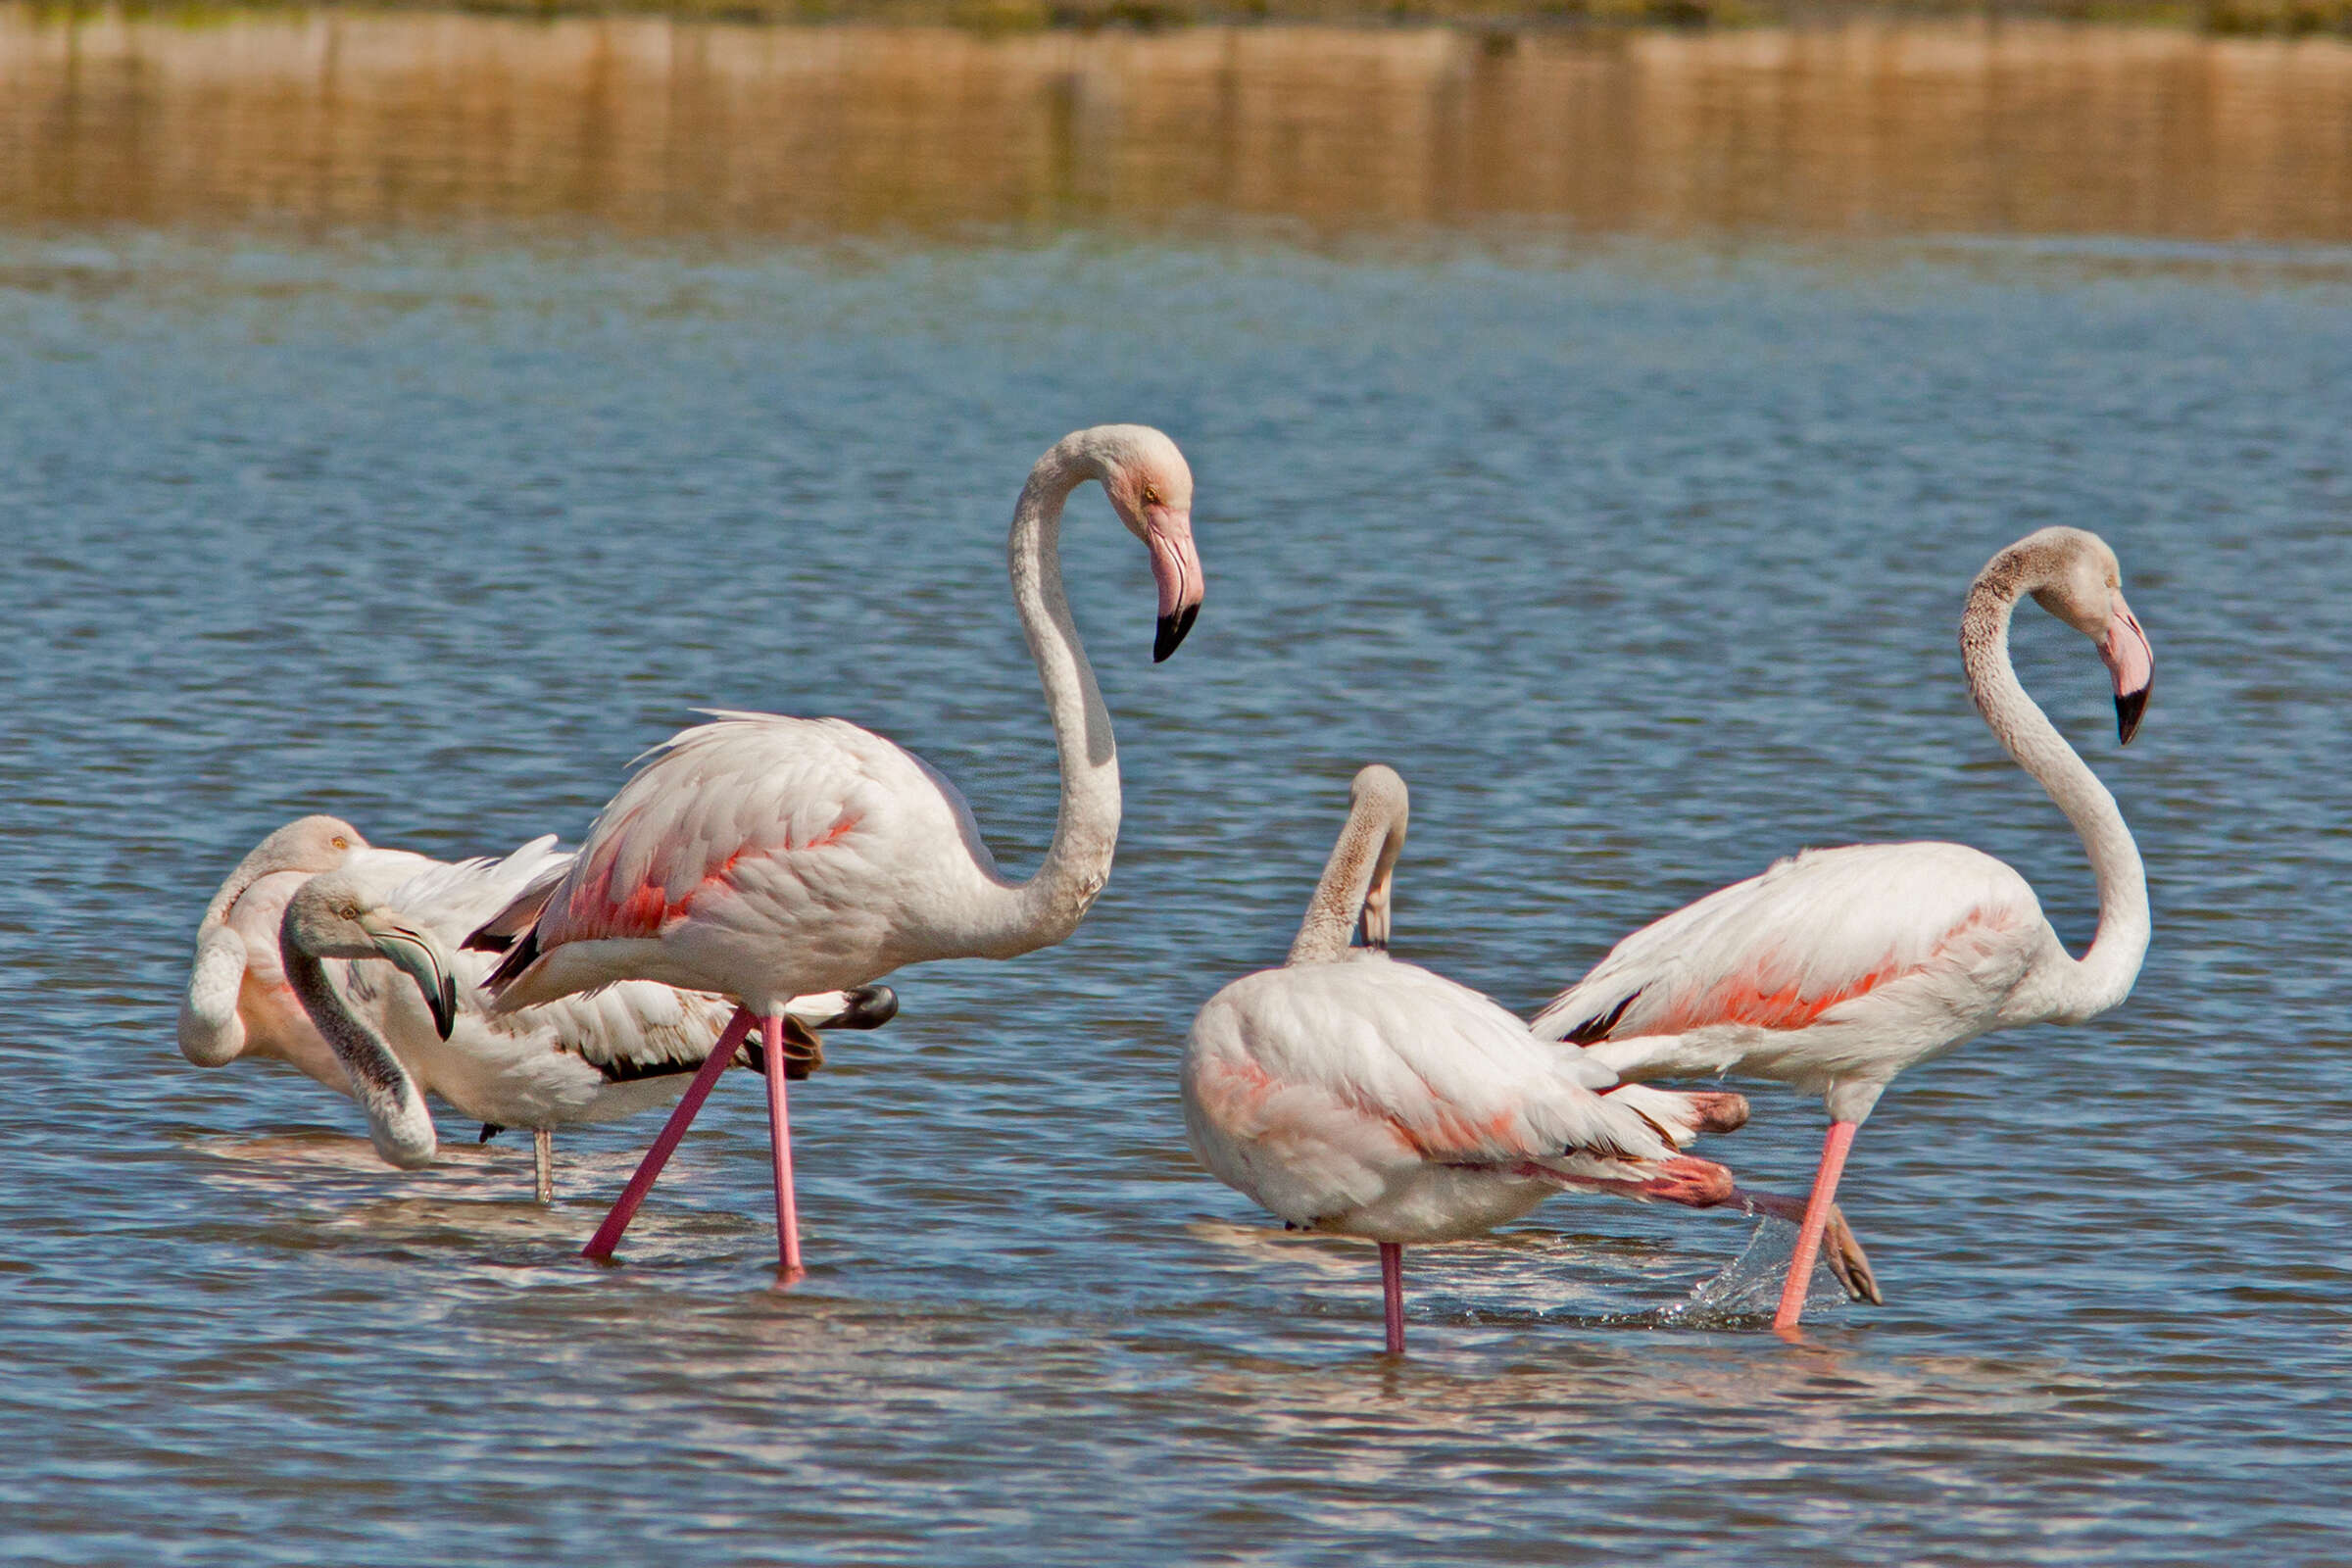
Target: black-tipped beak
x,y
2128,706
870,1008
1172,629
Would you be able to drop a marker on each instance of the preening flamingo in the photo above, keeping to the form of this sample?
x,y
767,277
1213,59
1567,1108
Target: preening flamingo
x,y
588,1059
762,856
237,1002
1838,968
1346,1092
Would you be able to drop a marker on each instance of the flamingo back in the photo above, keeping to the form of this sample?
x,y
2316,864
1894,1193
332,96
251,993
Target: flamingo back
x,y
1837,963
1379,1099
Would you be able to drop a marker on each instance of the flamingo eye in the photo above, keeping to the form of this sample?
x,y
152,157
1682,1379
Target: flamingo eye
x,y
341,843
1150,494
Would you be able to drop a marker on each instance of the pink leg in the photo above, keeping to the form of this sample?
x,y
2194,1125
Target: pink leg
x,y
1392,1286
607,1235
779,1141
1817,1220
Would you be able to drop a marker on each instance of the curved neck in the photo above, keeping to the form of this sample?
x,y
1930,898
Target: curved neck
x,y
2103,976
378,1081
1367,848
1040,912
258,863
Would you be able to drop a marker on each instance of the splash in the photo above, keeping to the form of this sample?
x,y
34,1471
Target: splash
x,y
1749,1286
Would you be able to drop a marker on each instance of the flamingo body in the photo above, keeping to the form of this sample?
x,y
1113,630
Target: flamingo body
x,y
1834,970
1378,1100
765,857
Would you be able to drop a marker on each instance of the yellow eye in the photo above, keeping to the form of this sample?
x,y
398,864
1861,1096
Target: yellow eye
x,y
342,843
1150,494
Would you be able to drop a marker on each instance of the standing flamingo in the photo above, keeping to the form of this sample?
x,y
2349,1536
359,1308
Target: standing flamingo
x,y
572,1061
627,1049
762,856
1349,1092
1838,968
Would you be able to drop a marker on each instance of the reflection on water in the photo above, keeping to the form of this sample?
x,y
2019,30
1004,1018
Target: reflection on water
x,y
653,126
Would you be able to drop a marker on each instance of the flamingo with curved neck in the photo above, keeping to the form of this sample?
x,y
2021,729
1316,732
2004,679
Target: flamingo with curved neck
x,y
1836,969
237,1001
1349,1092
762,856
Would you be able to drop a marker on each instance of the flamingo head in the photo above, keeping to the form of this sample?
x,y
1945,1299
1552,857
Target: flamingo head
x,y
336,916
1150,487
2084,588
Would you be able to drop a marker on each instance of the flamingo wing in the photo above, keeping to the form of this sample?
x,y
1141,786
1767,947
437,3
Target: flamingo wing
x,y
753,807
1788,948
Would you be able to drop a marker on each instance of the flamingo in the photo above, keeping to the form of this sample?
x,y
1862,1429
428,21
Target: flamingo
x,y
237,1002
590,1059
762,856
1837,968
1349,1092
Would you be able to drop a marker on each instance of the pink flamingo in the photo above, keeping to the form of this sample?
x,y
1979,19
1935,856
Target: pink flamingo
x,y
1349,1092
1838,968
757,856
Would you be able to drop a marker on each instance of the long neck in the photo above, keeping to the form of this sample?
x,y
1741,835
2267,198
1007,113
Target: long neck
x,y
378,1081
260,862
2103,976
1040,912
1338,901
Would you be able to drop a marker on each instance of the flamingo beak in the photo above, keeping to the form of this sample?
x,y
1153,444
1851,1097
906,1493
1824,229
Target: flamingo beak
x,y
2132,661
1176,569
420,957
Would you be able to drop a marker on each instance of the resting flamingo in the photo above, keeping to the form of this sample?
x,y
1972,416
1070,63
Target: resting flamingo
x,y
626,1050
762,856
1349,1092
237,1002
1838,968
573,1060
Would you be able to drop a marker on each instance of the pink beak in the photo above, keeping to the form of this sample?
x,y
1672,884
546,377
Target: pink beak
x,y
2128,657
1176,567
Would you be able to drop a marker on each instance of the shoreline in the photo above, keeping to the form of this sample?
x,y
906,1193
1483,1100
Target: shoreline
x,y
1498,21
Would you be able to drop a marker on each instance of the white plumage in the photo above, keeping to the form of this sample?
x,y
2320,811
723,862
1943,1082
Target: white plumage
x,y
1838,968
1346,1092
760,856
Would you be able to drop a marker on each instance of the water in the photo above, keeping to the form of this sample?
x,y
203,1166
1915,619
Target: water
x,y
1640,555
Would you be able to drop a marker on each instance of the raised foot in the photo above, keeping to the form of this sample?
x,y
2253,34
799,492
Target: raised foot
x,y
1848,1262
804,1052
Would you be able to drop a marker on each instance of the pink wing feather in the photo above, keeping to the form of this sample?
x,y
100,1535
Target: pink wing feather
x,y
1780,950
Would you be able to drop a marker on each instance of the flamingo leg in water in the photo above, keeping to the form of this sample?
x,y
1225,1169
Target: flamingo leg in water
x,y
779,1138
1840,1248
543,1162
1391,1286
1817,1220
607,1235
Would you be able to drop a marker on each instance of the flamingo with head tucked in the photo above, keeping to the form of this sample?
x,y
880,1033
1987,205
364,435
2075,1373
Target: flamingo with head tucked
x,y
567,1062
1349,1092
1838,968
237,1001
762,856
627,1049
